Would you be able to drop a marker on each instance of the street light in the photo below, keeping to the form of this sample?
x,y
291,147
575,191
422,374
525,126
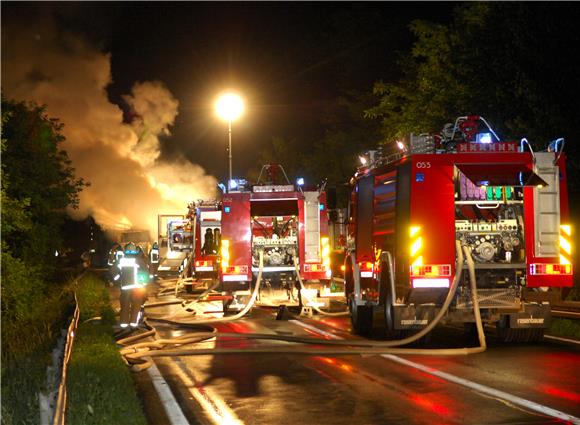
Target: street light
x,y
229,107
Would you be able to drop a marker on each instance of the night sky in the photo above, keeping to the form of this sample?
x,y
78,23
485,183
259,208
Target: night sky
x,y
289,60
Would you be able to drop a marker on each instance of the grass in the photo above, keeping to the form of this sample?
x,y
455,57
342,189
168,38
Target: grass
x,y
565,328
100,387
26,354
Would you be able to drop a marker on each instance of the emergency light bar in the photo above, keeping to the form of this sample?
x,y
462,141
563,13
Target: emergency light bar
x,y
210,215
273,188
550,269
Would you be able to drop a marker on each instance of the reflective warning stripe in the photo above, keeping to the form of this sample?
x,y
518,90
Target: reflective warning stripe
x,y
416,247
565,244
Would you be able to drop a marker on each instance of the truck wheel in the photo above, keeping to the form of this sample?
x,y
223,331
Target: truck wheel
x,y
360,317
504,332
387,302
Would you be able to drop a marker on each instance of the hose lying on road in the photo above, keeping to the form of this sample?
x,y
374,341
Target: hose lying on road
x,y
185,303
142,353
309,300
236,316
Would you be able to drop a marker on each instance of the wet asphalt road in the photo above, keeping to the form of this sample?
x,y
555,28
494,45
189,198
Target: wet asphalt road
x,y
355,389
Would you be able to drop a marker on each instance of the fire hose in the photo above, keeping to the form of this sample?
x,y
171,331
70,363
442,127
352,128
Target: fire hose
x,y
236,316
140,355
310,301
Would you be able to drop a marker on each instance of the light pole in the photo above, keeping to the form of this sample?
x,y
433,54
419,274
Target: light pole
x,y
229,107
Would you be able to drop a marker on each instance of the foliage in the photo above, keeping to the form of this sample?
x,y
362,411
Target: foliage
x,y
27,341
38,184
99,384
93,299
330,157
508,62
566,328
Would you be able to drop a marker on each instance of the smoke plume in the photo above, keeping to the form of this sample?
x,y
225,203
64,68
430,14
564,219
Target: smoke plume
x,y
130,185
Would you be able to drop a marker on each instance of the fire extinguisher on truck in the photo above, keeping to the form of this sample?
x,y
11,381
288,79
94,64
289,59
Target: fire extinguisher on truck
x,y
505,204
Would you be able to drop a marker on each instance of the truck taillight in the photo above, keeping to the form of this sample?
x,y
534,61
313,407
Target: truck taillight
x,y
430,275
203,263
366,268
235,270
225,253
431,270
550,269
314,267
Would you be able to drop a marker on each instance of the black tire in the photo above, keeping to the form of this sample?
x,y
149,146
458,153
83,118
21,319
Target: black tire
x,y
504,332
360,317
386,300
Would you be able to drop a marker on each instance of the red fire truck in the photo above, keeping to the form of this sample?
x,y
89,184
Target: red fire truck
x,y
506,203
286,222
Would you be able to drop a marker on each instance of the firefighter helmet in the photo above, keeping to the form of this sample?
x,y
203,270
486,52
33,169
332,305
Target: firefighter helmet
x,y
131,249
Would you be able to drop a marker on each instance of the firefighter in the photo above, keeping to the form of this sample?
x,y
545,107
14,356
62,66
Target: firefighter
x,y
154,259
208,245
133,277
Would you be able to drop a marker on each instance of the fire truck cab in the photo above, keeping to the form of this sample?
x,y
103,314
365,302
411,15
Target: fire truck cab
x,y
507,204
285,222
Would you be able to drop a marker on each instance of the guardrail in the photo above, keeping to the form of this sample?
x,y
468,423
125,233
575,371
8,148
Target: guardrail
x,y
566,309
60,407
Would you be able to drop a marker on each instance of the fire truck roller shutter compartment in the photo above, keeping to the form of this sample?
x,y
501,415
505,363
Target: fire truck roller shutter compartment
x,y
430,235
236,259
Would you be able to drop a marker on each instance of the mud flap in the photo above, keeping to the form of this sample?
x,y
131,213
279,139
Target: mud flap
x,y
414,317
533,316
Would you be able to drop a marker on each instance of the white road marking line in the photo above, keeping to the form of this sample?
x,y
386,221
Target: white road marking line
x,y
557,338
487,390
216,408
315,329
531,405
172,409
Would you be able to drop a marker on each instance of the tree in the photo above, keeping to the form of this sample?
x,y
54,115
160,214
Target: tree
x,y
509,62
38,184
